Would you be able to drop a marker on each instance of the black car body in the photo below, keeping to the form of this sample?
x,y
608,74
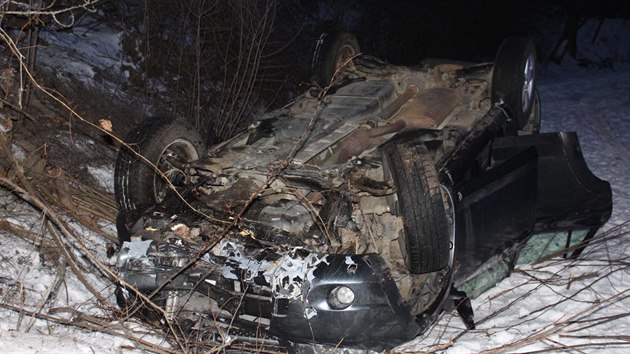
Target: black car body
x,y
353,216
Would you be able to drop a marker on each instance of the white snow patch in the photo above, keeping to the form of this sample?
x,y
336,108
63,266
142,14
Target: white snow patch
x,y
104,175
12,341
78,54
18,152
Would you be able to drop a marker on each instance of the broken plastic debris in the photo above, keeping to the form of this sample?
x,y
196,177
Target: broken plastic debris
x,y
133,250
137,249
309,313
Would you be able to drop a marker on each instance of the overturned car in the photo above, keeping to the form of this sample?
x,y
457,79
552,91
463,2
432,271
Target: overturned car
x,y
356,214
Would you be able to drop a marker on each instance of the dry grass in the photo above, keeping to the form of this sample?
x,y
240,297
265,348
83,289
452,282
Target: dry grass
x,y
69,202
216,56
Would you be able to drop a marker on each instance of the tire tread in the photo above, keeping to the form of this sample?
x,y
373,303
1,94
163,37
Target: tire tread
x,y
421,204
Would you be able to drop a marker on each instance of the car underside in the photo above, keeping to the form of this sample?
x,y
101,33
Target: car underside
x,y
354,215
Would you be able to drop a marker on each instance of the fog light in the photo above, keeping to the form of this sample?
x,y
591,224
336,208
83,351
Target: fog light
x,y
340,297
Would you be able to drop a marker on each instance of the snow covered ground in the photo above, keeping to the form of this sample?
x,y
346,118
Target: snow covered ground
x,y
568,306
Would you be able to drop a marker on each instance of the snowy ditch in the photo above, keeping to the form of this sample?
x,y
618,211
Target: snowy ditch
x,y
558,305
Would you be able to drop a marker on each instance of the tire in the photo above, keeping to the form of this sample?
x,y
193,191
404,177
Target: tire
x,y
513,78
532,126
136,185
421,204
330,52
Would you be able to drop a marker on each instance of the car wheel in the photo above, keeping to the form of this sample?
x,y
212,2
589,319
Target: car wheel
x,y
514,77
422,206
533,122
166,143
331,52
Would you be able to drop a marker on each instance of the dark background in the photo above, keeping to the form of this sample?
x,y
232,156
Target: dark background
x,y
405,31
221,64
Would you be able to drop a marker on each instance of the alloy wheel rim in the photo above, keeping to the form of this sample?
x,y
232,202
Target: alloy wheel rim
x,y
528,83
179,151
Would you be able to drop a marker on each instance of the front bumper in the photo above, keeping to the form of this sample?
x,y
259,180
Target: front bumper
x,y
377,319
283,293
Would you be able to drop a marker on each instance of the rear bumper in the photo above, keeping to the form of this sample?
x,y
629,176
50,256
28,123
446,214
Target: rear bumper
x,y
568,195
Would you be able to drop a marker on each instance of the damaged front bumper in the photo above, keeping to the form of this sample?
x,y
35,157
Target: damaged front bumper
x,y
291,294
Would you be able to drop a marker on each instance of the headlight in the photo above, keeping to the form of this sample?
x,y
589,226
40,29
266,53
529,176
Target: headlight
x,y
340,297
